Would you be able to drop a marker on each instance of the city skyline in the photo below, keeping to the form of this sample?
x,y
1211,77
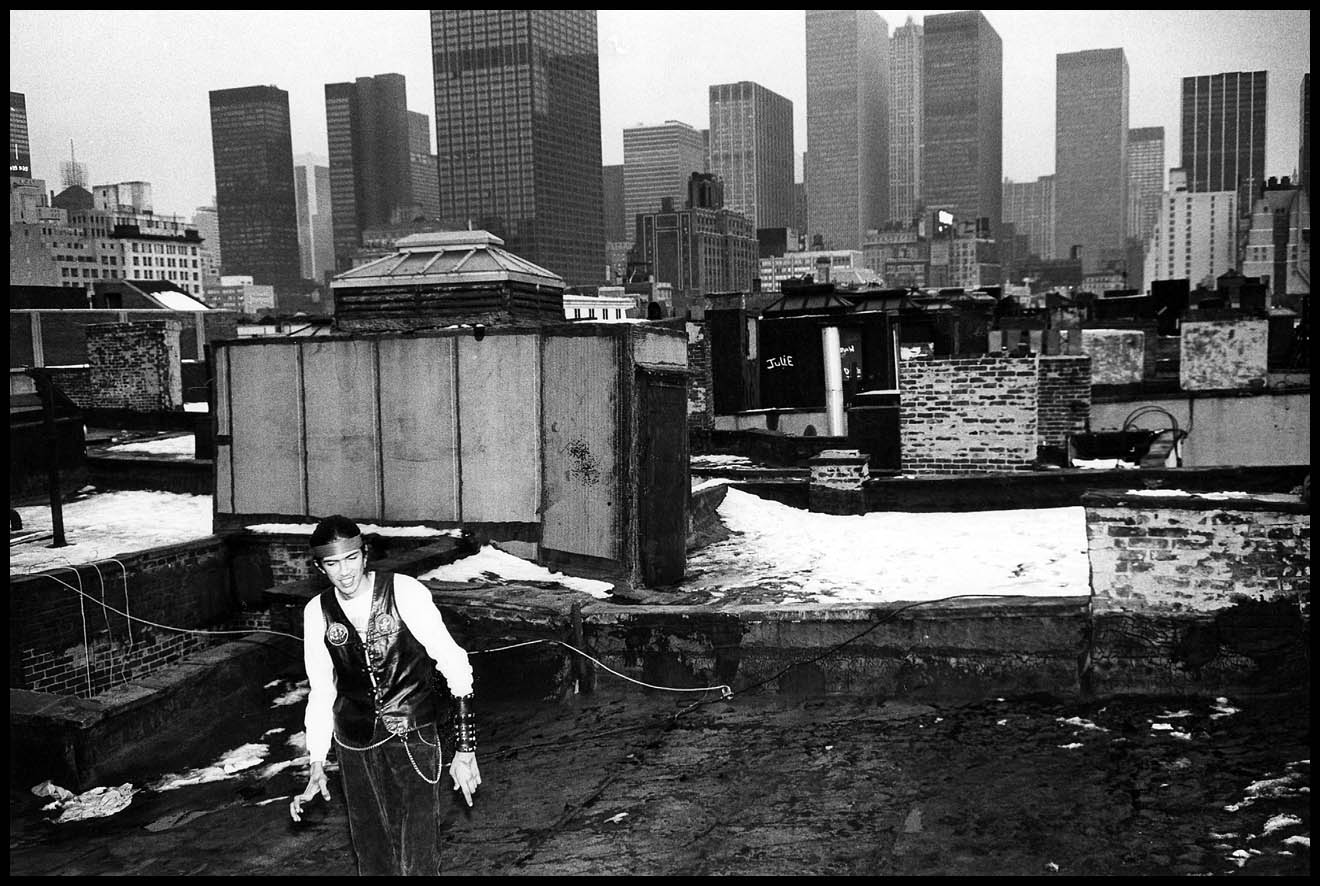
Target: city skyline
x,y
149,121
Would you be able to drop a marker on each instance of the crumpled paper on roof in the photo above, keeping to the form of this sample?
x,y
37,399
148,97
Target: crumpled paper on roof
x,y
96,803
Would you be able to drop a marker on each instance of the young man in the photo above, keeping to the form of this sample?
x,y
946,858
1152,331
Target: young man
x,y
372,645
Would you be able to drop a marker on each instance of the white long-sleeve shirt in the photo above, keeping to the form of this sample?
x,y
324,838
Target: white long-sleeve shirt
x,y
418,611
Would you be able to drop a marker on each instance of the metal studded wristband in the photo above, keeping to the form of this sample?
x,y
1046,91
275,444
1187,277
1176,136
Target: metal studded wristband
x,y
465,724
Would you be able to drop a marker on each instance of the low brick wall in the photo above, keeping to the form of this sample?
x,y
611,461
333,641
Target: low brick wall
x,y
1203,590
969,415
60,641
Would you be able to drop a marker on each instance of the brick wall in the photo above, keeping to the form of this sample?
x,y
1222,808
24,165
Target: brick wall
x,y
61,641
1224,354
968,415
76,383
1118,356
135,366
1195,553
701,403
1064,398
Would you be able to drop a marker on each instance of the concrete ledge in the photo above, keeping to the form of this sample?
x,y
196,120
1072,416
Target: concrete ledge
x,y
80,743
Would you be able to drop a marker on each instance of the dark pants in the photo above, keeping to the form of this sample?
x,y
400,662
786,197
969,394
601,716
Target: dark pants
x,y
393,814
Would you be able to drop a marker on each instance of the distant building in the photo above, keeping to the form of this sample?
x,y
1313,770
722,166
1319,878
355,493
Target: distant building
x,y
847,166
379,174
517,113
207,222
657,163
963,116
258,213
697,250
1195,235
751,150
424,164
1304,130
1146,165
123,197
906,54
831,265
20,150
316,248
239,293
1030,208
85,246
601,306
1223,133
1278,247
1090,157
618,238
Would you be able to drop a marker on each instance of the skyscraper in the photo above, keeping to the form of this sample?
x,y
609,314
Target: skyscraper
x,y
613,217
1090,156
657,163
517,111
254,190
1029,206
20,151
906,50
1145,179
1223,133
847,167
316,247
370,137
751,149
422,163
962,98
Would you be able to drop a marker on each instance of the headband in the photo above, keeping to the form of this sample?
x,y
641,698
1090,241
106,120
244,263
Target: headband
x,y
338,547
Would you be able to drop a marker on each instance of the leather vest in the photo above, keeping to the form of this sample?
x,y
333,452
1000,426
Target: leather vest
x,y
389,677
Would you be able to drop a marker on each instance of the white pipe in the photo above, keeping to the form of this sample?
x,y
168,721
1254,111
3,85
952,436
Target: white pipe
x,y
829,346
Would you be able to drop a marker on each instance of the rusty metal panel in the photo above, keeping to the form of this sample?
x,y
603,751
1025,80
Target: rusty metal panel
x,y
265,411
419,429
340,385
499,413
582,512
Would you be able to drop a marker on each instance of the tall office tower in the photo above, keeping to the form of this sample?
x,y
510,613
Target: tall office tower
x,y
962,106
905,61
422,163
1145,179
517,113
751,149
613,217
316,245
657,163
1223,133
371,182
20,150
254,191
1090,156
1029,206
207,222
1304,156
847,173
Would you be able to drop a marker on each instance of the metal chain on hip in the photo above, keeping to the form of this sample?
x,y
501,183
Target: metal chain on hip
x,y
403,739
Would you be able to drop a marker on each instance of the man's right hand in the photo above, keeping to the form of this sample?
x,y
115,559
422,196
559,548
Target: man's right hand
x,y
316,783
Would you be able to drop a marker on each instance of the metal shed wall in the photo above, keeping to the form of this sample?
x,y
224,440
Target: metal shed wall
x,y
583,473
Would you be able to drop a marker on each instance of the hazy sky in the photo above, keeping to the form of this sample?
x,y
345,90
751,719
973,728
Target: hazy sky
x,y
129,87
